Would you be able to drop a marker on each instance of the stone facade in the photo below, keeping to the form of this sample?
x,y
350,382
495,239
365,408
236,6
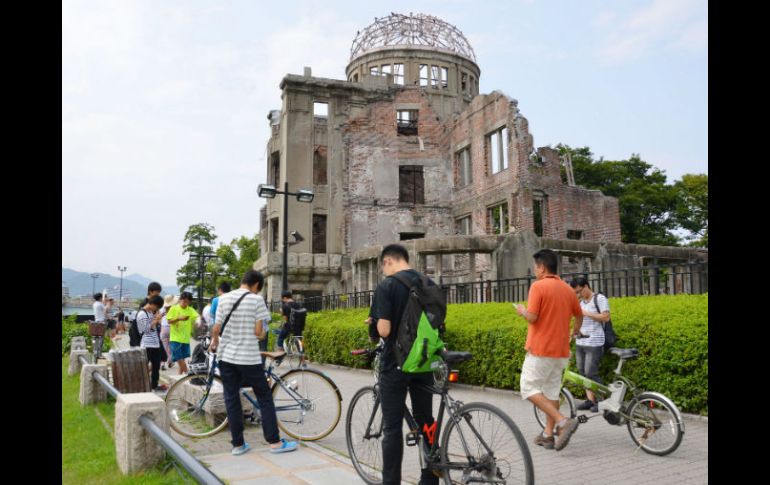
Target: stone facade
x,y
383,152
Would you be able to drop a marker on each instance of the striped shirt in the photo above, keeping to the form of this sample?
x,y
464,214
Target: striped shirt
x,y
238,344
149,335
590,327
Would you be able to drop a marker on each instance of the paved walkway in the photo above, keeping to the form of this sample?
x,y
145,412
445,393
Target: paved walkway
x,y
598,453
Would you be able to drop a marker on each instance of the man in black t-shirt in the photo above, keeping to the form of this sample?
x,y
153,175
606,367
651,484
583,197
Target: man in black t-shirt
x,y
390,300
286,306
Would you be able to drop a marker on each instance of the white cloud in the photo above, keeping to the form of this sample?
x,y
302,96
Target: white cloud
x,y
675,24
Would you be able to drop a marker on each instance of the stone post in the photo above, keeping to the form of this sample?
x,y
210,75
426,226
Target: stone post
x,y
90,390
135,448
74,367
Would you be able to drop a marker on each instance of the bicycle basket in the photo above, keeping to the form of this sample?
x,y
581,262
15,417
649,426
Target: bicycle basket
x,y
96,329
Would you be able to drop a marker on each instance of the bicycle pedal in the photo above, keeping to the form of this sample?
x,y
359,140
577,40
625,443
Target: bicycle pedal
x,y
582,419
412,438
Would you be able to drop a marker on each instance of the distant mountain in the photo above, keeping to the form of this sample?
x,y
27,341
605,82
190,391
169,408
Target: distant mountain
x,y
80,283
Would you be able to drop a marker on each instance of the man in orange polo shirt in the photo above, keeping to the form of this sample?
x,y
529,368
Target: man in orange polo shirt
x,y
551,304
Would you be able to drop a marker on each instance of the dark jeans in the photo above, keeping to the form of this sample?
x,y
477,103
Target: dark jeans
x,y
393,387
233,378
153,355
588,360
282,336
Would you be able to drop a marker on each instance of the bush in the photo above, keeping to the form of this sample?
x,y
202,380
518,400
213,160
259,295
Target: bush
x,y
671,333
71,328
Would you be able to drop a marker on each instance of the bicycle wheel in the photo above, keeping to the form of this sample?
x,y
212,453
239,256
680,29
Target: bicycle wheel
x,y
307,404
363,435
293,353
194,409
485,447
566,407
655,423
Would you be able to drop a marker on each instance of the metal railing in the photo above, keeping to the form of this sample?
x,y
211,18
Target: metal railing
x,y
684,278
195,468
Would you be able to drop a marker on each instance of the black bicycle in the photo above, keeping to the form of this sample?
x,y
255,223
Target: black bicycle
x,y
479,444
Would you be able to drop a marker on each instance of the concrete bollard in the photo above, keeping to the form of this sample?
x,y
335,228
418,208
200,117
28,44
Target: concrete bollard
x,y
90,390
78,343
75,364
135,448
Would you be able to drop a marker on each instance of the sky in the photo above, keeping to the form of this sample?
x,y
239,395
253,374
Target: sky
x,y
164,104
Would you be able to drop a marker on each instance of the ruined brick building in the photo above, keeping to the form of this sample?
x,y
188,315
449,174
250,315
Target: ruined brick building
x,y
405,148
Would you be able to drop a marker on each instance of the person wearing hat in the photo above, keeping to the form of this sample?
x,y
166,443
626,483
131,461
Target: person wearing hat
x,y
181,317
165,329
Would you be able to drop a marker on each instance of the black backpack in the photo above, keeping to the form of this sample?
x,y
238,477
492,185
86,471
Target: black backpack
x,y
421,329
134,337
610,337
297,319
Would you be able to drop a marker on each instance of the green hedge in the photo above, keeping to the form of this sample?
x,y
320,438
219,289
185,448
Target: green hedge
x,y
671,333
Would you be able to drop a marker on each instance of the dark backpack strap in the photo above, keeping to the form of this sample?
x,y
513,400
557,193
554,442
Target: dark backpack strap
x,y
596,302
222,330
405,281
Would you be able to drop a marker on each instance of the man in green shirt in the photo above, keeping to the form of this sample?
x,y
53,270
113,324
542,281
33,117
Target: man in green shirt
x,y
180,318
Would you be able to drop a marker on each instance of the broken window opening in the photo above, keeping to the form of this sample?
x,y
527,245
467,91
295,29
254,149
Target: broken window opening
x,y
385,69
423,75
411,184
464,168
498,150
435,76
406,236
577,235
374,70
355,77
320,109
406,121
319,165
537,214
463,226
275,158
274,234
464,82
398,74
497,219
319,234
444,78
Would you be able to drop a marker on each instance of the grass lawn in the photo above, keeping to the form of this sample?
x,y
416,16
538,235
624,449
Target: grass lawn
x,y
88,449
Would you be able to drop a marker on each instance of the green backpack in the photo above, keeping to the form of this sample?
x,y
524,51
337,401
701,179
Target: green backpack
x,y
420,332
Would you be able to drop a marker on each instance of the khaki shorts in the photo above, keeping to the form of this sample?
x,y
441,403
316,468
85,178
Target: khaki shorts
x,y
542,375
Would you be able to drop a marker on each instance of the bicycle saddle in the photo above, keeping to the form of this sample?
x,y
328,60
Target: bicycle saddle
x,y
625,354
456,357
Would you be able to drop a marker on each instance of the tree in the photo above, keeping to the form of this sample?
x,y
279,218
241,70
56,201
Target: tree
x,y
236,258
692,208
198,240
646,202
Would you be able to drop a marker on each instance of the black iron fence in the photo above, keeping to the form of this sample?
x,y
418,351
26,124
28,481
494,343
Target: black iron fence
x,y
687,278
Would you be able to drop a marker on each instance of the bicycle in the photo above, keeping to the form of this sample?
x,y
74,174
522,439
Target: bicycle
x,y
469,449
96,330
294,348
308,404
653,420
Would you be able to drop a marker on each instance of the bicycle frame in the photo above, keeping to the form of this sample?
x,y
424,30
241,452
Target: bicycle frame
x,y
430,452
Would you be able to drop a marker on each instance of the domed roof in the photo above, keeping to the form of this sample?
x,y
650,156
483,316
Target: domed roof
x,y
409,31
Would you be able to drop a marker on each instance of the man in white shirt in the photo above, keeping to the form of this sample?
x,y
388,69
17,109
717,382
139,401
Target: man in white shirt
x,y
240,362
99,313
590,349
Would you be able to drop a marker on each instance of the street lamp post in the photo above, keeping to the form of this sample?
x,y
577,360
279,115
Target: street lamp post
x,y
120,295
93,283
303,195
